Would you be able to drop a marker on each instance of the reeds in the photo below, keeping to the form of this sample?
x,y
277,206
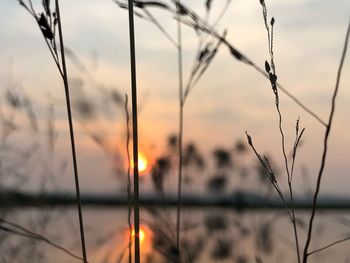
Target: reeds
x,y
48,23
270,69
134,131
201,25
19,230
306,252
205,54
71,132
271,73
180,131
127,117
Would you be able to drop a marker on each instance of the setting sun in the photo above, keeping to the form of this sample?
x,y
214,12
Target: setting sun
x,y
143,163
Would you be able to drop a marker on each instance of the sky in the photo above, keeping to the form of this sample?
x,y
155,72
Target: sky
x,y
230,98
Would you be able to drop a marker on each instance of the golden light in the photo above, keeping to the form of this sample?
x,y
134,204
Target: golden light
x,y
145,237
142,234
143,163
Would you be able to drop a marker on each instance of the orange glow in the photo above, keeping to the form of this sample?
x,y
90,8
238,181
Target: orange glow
x,y
143,163
145,237
142,235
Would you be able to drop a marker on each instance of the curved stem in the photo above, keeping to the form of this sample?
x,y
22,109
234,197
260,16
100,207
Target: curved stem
x,y
329,245
325,149
21,231
128,173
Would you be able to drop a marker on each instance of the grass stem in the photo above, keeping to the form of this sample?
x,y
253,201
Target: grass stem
x,y
180,139
134,130
271,72
325,148
128,173
71,134
17,229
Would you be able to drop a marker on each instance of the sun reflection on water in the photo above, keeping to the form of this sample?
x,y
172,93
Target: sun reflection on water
x,y
141,234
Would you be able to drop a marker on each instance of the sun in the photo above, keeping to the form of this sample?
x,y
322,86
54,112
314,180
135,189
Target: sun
x,y
143,162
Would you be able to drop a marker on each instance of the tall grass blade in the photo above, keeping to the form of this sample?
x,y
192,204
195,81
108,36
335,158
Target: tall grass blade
x,y
181,105
134,130
71,134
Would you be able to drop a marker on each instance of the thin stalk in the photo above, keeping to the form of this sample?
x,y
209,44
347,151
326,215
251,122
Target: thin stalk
x,y
54,57
245,59
201,24
71,134
128,174
288,94
330,245
289,184
294,223
325,148
31,6
21,231
134,130
270,174
273,78
181,117
295,147
159,26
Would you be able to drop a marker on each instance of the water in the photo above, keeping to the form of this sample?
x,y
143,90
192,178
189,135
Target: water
x,y
208,235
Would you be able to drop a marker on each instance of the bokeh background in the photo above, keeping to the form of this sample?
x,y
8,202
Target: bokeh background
x,y
229,99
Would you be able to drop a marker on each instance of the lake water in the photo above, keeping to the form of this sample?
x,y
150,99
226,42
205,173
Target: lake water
x,y
208,235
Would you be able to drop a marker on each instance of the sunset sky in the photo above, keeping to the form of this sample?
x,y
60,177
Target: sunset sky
x,y
230,99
